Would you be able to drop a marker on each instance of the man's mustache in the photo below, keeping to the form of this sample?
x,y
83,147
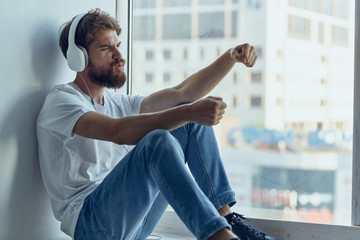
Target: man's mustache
x,y
118,61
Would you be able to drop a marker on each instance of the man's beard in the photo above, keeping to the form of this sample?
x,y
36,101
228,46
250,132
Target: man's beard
x,y
106,77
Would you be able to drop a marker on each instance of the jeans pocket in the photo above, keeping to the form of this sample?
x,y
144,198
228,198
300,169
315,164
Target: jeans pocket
x,y
88,235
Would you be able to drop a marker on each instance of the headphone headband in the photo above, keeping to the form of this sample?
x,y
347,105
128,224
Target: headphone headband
x,y
76,55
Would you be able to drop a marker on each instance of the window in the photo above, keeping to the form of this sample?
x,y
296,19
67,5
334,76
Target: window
x,y
185,54
235,78
235,101
339,36
148,78
234,20
256,77
321,33
341,8
166,77
167,54
176,26
254,4
176,3
149,32
255,102
213,30
288,152
149,55
211,2
299,27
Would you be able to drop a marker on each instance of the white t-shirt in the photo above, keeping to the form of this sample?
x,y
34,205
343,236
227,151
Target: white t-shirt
x,y
73,166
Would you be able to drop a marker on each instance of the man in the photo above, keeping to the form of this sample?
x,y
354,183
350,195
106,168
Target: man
x,y
112,163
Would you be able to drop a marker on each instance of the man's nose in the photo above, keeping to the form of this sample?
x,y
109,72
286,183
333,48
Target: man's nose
x,y
117,53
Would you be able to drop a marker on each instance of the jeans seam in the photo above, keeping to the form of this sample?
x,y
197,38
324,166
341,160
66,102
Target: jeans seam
x,y
213,195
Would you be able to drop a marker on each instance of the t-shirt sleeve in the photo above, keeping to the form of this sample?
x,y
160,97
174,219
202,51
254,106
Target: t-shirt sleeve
x,y
135,103
61,111
130,104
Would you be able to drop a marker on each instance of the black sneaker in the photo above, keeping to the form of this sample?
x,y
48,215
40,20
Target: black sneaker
x,y
244,231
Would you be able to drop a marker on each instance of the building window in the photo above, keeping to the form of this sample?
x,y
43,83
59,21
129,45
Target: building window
x,y
185,54
148,77
176,3
149,55
177,26
213,30
339,36
235,101
254,4
256,77
167,77
341,9
323,102
144,4
235,78
167,54
321,33
234,30
202,53
255,101
147,33
211,2
299,27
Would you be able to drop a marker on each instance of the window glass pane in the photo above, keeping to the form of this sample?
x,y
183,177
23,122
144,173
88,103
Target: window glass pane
x,y
234,19
176,3
254,4
144,4
211,2
147,33
299,27
177,26
286,139
213,30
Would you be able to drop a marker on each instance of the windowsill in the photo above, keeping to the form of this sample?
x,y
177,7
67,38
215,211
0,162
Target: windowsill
x,y
171,226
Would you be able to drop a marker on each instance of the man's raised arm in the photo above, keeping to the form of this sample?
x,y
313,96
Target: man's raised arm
x,y
200,83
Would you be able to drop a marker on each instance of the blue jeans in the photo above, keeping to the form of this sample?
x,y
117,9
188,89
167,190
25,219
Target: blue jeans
x,y
132,198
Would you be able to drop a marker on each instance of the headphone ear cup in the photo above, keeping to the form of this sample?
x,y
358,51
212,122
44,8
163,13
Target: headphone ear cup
x,y
77,58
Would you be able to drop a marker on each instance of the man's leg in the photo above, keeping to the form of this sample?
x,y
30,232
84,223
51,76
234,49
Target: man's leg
x,y
119,205
202,155
204,161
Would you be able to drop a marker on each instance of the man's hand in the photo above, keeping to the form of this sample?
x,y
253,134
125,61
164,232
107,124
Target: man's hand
x,y
245,54
208,111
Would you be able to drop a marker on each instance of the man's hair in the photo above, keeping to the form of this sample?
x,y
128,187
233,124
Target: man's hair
x,y
92,22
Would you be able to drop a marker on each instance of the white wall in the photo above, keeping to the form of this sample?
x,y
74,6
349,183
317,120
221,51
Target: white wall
x,y
30,64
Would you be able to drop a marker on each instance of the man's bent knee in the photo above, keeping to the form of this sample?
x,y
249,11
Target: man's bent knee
x,y
161,140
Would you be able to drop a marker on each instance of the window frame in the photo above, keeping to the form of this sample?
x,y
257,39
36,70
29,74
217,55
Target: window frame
x,y
283,229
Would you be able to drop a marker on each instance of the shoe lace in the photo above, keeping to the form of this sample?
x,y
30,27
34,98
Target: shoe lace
x,y
236,220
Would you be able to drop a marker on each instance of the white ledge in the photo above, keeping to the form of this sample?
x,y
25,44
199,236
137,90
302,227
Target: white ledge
x,y
171,226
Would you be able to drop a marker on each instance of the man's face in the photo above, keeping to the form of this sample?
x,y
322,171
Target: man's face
x,y
106,65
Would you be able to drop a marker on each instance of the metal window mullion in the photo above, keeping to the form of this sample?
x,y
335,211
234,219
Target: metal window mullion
x,y
130,47
124,14
355,213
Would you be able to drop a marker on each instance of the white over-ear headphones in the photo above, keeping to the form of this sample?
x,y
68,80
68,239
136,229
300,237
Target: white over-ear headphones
x,y
77,56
